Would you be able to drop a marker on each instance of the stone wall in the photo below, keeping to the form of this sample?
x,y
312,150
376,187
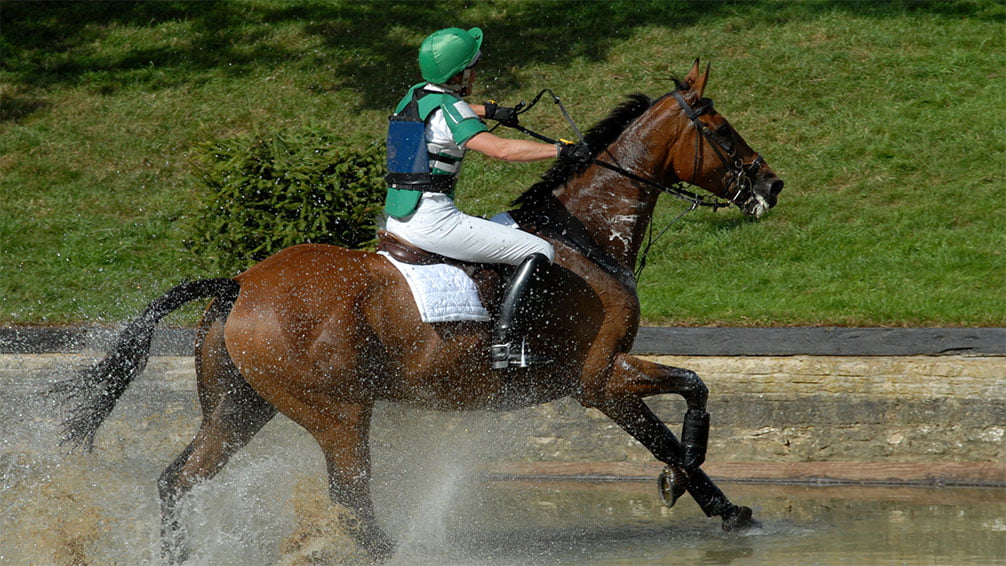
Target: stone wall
x,y
941,418
812,409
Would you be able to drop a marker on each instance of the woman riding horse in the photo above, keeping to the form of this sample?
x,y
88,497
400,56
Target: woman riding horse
x,y
428,136
321,333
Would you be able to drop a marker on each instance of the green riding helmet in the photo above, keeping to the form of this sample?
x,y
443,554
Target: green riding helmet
x,y
447,52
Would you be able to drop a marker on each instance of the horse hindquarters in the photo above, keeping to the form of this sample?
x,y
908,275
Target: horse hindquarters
x,y
300,336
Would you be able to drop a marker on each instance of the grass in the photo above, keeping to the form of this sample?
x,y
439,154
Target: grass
x,y
886,120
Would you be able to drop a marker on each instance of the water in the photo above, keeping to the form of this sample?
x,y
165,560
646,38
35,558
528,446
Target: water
x,y
622,524
269,506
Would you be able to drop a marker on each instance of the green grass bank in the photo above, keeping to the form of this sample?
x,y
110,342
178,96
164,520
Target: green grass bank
x,y
886,120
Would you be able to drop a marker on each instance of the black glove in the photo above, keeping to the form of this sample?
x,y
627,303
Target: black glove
x,y
502,114
578,153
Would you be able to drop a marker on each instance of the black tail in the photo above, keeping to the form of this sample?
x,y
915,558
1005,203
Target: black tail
x,y
93,391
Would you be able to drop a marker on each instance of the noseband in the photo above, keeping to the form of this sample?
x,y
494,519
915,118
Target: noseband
x,y
739,173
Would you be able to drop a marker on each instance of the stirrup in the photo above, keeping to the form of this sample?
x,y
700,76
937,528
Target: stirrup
x,y
509,355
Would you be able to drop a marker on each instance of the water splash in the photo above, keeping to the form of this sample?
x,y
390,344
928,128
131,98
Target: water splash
x,y
270,506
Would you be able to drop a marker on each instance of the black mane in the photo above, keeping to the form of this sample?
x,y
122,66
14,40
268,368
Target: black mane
x,y
598,138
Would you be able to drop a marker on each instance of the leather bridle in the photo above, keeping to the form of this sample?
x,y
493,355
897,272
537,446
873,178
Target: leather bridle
x,y
739,174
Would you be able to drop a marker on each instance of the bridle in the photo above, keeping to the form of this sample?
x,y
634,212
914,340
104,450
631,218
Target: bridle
x,y
739,173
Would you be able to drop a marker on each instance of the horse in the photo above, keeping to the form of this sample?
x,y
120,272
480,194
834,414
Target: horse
x,y
320,333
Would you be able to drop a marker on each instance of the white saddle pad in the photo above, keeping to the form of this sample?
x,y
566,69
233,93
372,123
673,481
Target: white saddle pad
x,y
443,293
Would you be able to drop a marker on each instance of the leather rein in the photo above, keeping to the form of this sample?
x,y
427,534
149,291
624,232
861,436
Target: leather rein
x,y
740,173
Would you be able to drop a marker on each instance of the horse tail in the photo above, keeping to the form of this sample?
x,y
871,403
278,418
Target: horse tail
x,y
94,390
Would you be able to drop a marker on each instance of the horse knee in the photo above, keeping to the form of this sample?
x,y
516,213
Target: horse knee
x,y
694,390
699,395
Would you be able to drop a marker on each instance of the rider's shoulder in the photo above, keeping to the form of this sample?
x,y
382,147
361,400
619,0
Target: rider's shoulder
x,y
436,96
428,97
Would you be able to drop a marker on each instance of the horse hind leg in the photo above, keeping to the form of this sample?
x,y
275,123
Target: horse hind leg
x,y
219,437
232,414
342,432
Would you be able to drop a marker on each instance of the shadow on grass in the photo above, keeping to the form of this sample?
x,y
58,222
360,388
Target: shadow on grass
x,y
371,46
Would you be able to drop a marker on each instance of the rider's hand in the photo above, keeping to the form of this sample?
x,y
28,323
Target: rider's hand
x,y
503,114
577,153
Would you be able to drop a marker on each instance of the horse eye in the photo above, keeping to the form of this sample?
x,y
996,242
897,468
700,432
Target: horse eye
x,y
724,131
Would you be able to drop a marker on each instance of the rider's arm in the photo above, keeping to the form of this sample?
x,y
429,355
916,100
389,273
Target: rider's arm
x,y
509,149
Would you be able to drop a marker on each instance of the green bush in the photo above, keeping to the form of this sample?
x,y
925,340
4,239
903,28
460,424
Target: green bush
x,y
266,193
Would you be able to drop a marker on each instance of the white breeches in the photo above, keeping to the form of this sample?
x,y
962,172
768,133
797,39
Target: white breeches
x,y
438,226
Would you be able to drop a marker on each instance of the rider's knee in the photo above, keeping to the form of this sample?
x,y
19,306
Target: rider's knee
x,y
547,250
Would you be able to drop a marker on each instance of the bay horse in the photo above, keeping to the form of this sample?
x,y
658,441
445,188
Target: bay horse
x,y
320,333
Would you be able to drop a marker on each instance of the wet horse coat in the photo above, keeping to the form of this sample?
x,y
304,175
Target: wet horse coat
x,y
321,333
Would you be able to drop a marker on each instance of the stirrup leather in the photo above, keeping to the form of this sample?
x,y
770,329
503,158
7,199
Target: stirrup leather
x,y
511,355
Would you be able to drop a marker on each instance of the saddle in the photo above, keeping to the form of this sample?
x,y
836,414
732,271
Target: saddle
x,y
407,253
489,279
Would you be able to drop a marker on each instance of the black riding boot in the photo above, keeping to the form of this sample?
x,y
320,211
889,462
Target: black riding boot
x,y
507,349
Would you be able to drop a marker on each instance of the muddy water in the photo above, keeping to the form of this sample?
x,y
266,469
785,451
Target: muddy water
x,y
268,505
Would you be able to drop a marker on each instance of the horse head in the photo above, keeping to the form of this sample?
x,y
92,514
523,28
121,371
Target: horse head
x,y
644,148
712,155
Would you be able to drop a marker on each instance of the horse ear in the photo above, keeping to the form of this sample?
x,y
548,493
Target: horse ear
x,y
692,76
699,86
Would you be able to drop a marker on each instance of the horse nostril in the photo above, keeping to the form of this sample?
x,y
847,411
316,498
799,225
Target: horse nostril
x,y
776,187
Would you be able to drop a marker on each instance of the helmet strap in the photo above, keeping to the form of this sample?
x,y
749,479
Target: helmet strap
x,y
467,78
460,83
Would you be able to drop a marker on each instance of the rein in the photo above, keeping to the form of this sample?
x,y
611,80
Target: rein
x,y
676,190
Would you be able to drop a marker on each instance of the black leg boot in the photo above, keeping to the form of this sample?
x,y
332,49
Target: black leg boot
x,y
507,351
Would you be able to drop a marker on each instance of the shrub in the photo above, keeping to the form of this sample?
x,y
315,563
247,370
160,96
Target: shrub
x,y
266,193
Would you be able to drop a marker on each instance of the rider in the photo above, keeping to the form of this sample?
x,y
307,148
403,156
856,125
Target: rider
x,y
423,169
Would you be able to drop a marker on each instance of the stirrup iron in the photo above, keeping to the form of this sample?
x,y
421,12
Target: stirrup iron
x,y
508,355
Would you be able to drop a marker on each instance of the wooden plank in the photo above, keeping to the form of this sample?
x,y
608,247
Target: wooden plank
x,y
819,341
991,474
43,340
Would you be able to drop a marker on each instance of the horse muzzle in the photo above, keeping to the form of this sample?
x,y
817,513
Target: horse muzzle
x,y
756,198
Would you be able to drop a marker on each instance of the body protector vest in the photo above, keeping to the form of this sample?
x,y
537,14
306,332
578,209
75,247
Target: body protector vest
x,y
408,156
417,165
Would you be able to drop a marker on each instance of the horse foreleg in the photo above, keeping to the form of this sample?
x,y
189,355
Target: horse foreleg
x,y
631,376
622,400
345,442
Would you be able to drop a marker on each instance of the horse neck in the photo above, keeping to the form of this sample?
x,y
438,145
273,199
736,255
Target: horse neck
x,y
614,209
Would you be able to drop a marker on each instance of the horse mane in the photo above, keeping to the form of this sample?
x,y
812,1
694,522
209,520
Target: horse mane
x,y
599,137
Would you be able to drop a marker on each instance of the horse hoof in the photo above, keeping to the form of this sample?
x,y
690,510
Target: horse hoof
x,y
739,519
379,546
672,484
174,556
